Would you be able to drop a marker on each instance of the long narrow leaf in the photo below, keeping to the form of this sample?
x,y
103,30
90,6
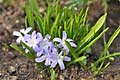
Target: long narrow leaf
x,y
52,71
34,6
32,53
114,35
17,48
30,17
92,32
55,26
92,42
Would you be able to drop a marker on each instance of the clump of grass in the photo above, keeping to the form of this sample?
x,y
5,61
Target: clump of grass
x,y
69,32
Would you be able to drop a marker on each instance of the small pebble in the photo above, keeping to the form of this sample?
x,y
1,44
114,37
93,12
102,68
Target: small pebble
x,y
1,1
61,77
11,69
17,21
0,74
13,78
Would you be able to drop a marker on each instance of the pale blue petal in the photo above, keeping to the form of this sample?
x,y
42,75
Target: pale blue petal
x,y
47,37
33,36
53,64
37,49
69,40
27,38
57,40
47,62
66,58
28,29
39,53
66,49
39,36
59,45
26,50
37,41
73,44
22,31
40,59
19,39
16,33
61,64
64,35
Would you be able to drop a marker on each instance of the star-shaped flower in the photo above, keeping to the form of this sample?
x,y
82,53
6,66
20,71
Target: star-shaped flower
x,y
33,39
21,34
62,42
59,58
43,44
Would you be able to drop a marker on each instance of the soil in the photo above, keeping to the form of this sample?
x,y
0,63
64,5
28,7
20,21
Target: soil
x,y
14,66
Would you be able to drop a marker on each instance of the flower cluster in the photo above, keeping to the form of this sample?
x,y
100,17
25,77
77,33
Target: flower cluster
x,y
52,52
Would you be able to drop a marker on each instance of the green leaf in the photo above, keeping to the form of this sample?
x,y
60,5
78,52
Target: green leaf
x,y
32,53
105,57
80,59
91,42
52,71
20,50
71,27
92,32
114,35
73,3
30,17
17,48
34,7
40,23
71,50
54,28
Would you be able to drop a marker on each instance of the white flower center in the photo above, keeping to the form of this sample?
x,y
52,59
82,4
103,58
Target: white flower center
x,y
43,43
31,43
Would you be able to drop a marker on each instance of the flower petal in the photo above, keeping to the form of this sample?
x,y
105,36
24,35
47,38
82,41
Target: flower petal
x,y
69,40
73,44
47,62
66,49
53,64
59,45
16,33
40,59
47,37
61,64
22,31
33,36
64,36
66,58
39,53
28,29
39,36
37,49
26,50
26,37
57,40
19,39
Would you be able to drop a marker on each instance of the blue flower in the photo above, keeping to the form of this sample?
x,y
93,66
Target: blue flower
x,y
59,58
33,39
21,34
43,44
62,42
51,57
46,56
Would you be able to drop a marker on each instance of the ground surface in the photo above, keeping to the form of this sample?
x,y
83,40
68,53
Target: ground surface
x,y
14,66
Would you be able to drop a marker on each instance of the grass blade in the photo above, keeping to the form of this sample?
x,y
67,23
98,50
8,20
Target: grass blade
x,y
92,42
92,32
